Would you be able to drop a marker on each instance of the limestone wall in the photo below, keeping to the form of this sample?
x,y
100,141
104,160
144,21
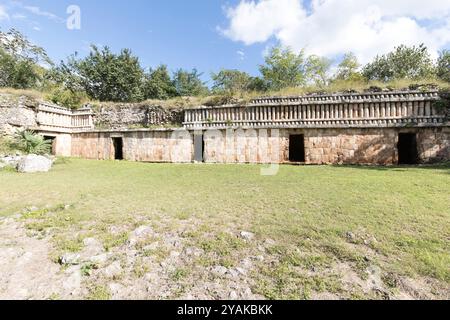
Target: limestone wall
x,y
322,146
140,145
16,113
124,116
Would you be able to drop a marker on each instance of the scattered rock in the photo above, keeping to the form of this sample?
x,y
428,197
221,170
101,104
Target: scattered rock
x,y
115,288
196,252
92,247
233,273
233,295
34,163
113,270
70,259
350,236
241,271
100,259
247,235
11,161
139,234
219,270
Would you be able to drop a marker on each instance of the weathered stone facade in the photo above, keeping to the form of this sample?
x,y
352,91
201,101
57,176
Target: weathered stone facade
x,y
124,116
138,145
372,128
16,113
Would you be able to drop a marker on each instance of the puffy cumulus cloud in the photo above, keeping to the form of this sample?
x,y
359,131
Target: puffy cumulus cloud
x,y
3,13
333,27
252,22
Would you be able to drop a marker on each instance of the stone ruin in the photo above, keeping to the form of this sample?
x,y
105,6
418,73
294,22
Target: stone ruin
x,y
403,127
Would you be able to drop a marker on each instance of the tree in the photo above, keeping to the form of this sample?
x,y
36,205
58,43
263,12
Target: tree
x,y
188,83
19,61
104,76
348,69
317,70
283,68
404,62
230,81
443,66
158,84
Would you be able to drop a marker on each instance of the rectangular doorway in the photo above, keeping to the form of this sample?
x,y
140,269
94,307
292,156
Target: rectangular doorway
x,y
407,148
199,148
297,148
118,148
53,143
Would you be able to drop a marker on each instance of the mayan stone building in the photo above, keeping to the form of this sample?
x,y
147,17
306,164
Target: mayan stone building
x,y
406,127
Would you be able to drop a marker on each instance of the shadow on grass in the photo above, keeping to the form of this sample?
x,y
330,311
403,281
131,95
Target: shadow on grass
x,y
399,168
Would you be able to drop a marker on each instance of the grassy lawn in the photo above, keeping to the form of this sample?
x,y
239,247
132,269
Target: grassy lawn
x,y
309,223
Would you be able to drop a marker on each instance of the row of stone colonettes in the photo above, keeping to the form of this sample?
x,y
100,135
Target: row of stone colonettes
x,y
375,128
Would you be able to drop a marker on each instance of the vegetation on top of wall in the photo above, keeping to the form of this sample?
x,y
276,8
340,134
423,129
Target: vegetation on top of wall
x,y
119,77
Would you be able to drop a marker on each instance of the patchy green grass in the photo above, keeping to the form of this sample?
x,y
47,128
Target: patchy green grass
x,y
398,217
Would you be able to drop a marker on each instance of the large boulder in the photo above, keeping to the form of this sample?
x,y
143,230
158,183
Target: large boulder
x,y
34,163
11,161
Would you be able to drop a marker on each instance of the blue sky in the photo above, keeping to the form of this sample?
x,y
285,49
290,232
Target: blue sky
x,y
181,34
214,34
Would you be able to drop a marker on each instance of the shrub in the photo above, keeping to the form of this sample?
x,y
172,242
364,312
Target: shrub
x,y
31,143
67,98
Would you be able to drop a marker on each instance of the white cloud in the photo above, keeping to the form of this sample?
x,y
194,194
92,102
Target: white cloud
x,y
333,27
19,16
3,14
241,54
39,12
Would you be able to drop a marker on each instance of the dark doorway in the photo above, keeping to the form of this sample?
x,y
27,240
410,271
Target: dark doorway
x,y
297,148
407,148
52,140
118,148
199,147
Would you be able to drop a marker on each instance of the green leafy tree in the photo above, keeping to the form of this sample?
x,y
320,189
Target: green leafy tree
x,y
158,84
20,61
189,84
348,69
404,62
317,70
103,75
443,66
283,68
230,81
31,143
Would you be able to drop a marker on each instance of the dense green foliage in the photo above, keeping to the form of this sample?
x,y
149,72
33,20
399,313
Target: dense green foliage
x,y
283,68
188,83
403,63
32,143
317,70
119,77
348,68
443,66
20,61
158,84
232,82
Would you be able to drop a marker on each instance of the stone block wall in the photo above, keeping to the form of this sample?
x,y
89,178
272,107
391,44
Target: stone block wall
x,y
324,146
141,145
